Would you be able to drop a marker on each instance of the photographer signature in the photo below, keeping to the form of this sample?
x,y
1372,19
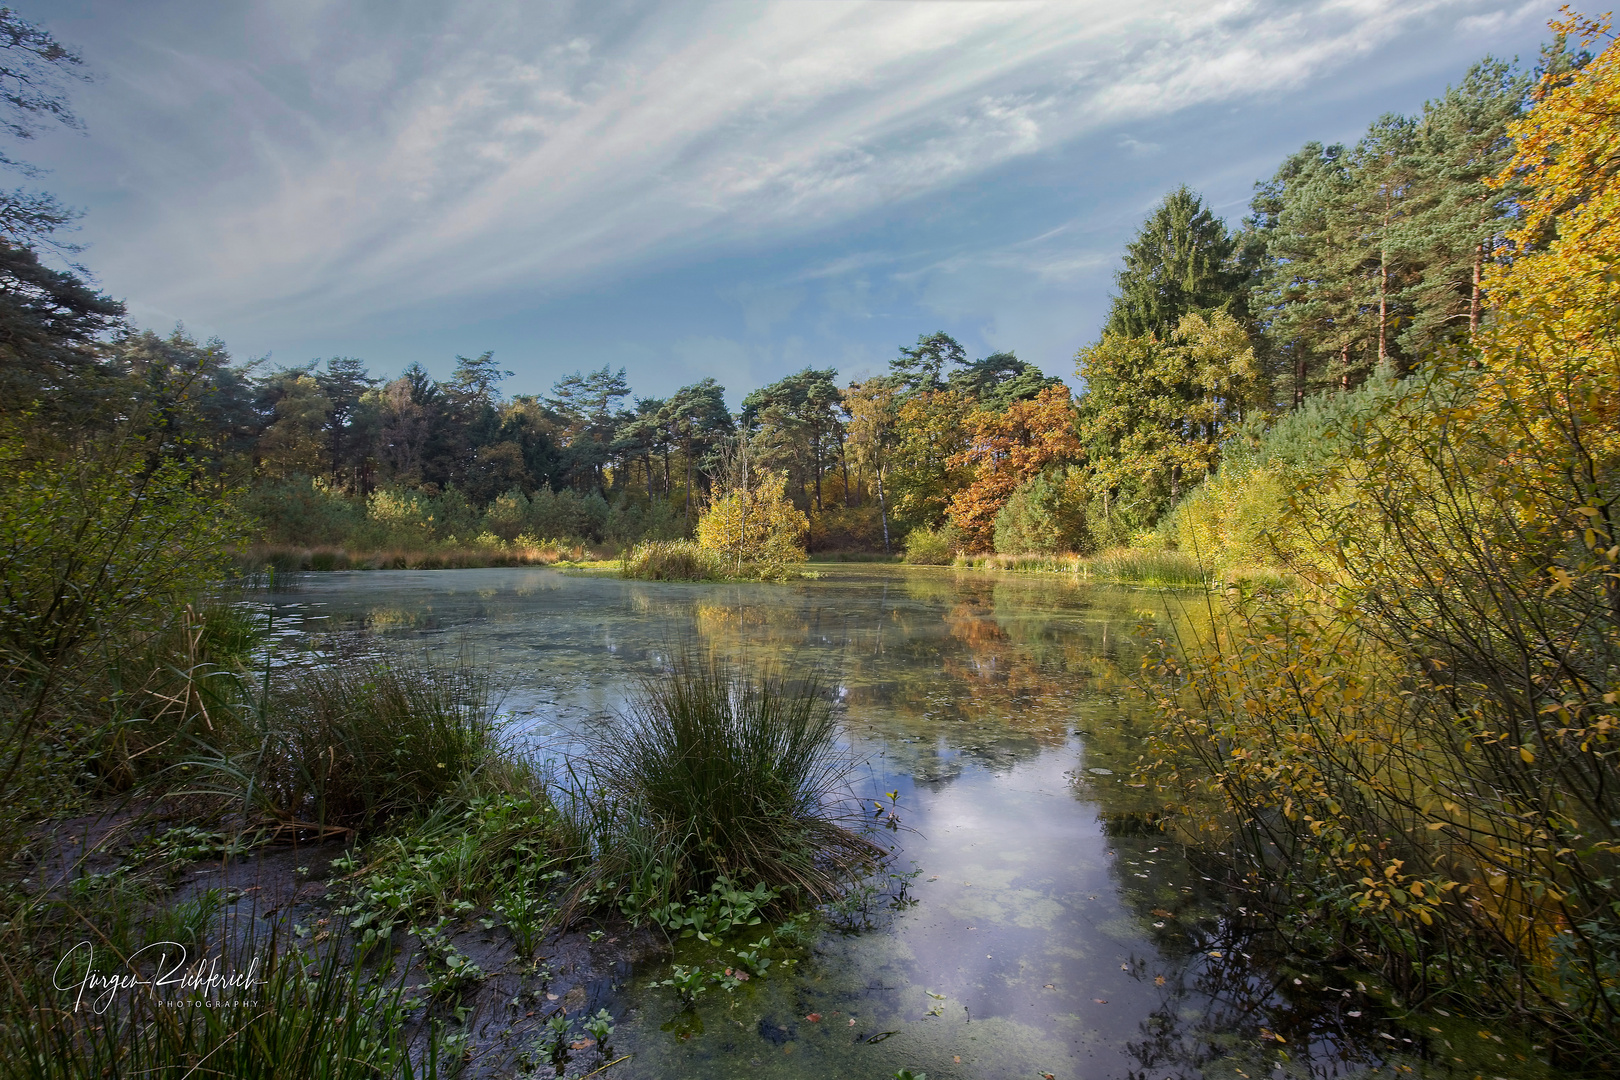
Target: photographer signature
x,y
169,973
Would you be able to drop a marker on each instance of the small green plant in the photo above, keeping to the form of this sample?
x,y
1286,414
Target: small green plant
x,y
556,1042
726,908
600,1028
752,960
689,983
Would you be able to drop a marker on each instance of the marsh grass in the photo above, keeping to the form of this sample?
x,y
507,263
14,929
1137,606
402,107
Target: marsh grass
x,y
672,560
713,776
354,743
293,557
1129,566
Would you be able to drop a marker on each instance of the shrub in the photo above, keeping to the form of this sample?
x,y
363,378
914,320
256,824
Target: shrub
x,y
672,560
302,510
710,777
1044,515
102,551
933,547
754,526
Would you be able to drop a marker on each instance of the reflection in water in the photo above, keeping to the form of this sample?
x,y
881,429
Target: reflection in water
x,y
1053,930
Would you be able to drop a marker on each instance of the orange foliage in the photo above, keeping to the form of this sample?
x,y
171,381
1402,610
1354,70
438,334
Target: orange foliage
x,y
1004,450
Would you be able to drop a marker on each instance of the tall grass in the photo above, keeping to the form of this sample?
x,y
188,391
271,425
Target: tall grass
x,y
317,1017
715,775
436,557
672,560
1132,566
355,743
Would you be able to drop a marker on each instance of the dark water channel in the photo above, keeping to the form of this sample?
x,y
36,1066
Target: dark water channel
x,y
1049,930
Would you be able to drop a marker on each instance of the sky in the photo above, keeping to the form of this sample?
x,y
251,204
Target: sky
x,y
691,189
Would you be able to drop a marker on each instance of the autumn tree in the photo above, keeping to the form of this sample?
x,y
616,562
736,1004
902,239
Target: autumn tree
x,y
873,431
1003,450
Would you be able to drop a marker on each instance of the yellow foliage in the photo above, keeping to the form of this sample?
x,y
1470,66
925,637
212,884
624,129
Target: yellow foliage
x,y
754,527
1550,352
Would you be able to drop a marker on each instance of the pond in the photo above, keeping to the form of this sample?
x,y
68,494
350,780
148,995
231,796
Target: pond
x,y
1034,921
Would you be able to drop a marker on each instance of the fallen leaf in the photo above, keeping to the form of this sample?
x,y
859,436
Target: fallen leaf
x,y
1049,986
1158,980
957,1059
852,1021
1163,914
814,1018
1100,1001
551,997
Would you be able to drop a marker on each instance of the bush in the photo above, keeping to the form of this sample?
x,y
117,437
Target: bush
x,y
1045,515
934,547
103,550
302,510
714,777
846,529
754,527
630,521
672,560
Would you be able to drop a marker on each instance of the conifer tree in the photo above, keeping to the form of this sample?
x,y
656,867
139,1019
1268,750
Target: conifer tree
x,y
1181,263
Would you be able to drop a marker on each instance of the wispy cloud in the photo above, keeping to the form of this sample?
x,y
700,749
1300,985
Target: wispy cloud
x,y
370,164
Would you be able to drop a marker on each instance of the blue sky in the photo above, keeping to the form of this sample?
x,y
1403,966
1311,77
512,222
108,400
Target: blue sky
x,y
690,189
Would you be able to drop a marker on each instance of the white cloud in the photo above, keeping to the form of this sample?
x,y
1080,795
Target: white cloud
x,y
364,168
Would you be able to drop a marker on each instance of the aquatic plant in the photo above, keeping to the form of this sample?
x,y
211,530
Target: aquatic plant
x,y
672,560
355,742
713,779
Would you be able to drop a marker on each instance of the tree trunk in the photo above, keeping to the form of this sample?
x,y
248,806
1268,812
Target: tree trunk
x,y
1299,378
1383,305
883,511
1475,299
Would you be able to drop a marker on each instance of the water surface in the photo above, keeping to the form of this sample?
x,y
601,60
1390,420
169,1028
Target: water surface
x,y
1049,927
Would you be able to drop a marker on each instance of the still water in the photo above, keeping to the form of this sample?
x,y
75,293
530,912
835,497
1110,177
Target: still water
x,y
1048,927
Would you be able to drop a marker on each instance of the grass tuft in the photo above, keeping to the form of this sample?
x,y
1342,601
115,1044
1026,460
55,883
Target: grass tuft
x,y
714,777
672,560
355,743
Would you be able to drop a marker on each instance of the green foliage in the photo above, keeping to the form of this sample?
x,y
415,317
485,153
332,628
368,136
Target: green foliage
x,y
1376,253
1046,514
713,777
723,910
1156,412
1182,262
934,547
354,743
493,843
103,550
302,510
672,560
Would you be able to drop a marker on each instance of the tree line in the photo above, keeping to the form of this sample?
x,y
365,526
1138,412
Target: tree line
x,y
1352,259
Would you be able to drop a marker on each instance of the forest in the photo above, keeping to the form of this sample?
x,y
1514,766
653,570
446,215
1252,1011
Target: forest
x,y
1378,417
1354,260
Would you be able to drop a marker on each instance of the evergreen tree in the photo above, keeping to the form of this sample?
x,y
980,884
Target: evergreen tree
x,y
1182,261
920,369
